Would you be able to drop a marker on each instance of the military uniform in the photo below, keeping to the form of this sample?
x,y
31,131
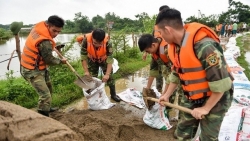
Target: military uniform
x,y
210,54
93,66
40,79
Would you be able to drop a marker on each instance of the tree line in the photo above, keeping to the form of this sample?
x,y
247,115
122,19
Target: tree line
x,y
237,12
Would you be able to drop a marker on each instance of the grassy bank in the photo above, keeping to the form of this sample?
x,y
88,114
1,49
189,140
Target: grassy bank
x,y
19,91
244,43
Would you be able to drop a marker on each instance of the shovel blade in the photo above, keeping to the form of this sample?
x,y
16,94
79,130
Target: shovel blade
x,y
85,85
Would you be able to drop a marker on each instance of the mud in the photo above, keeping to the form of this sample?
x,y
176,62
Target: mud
x,y
119,123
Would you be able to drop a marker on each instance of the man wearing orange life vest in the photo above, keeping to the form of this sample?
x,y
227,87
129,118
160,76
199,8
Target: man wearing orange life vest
x,y
36,55
96,51
157,70
199,63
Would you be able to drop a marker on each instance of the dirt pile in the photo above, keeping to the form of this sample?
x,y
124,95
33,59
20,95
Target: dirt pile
x,y
21,124
116,124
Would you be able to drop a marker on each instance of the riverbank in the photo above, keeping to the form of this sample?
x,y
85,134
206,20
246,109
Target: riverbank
x,y
17,90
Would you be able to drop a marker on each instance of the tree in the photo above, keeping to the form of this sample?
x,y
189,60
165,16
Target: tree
x,y
238,12
82,23
98,22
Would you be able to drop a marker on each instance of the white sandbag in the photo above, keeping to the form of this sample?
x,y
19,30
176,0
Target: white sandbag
x,y
97,98
230,123
242,96
115,66
133,97
156,117
240,77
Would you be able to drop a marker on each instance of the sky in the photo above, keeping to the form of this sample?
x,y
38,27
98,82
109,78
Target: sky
x,y
33,11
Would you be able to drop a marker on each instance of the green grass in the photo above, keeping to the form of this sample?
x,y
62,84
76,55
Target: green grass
x,y
19,91
244,47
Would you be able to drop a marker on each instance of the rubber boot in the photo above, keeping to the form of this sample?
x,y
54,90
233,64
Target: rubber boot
x,y
113,94
45,113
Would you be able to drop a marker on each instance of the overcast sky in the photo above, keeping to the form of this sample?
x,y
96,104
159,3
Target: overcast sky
x,y
33,11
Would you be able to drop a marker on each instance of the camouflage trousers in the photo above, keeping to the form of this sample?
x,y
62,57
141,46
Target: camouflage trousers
x,y
40,81
94,68
163,73
210,125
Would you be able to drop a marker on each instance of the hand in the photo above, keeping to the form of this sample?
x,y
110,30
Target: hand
x,y
198,112
163,97
87,73
144,56
64,60
105,78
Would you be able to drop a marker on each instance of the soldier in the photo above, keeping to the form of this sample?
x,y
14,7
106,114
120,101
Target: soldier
x,y
37,54
199,63
96,51
156,70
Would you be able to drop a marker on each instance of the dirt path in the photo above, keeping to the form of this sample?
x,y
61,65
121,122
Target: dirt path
x,y
115,124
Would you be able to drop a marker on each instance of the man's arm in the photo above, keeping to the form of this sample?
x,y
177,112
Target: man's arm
x,y
211,57
45,50
84,56
110,59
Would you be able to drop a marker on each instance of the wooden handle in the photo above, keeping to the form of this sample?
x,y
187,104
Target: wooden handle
x,y
60,56
184,109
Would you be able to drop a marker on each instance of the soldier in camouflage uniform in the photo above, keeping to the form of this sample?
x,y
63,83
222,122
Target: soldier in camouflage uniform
x,y
160,67
37,54
213,96
91,65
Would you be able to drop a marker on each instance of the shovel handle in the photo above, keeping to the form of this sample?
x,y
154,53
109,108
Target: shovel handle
x,y
60,56
184,109
68,64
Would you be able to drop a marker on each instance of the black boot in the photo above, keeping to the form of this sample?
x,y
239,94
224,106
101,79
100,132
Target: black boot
x,y
113,94
53,109
45,113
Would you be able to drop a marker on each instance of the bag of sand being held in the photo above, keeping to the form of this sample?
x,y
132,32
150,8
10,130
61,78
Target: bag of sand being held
x,y
96,97
156,117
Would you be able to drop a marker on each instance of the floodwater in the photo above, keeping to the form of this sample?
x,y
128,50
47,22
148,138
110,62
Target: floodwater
x,y
9,46
138,80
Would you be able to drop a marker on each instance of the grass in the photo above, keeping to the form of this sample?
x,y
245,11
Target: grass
x,y
244,47
19,91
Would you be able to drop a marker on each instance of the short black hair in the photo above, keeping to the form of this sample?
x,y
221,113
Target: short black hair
x,y
170,17
56,21
98,35
163,7
145,41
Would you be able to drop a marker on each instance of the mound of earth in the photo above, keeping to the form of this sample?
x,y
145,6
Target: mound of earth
x,y
115,124
21,124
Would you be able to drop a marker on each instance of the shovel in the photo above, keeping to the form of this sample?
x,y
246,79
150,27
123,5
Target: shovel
x,y
149,92
81,80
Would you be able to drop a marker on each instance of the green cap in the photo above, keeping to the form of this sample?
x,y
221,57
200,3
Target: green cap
x,y
15,27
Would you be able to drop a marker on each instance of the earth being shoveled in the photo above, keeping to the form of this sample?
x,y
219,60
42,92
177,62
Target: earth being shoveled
x,y
122,122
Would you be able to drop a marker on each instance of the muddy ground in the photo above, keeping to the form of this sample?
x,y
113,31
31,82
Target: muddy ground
x,y
119,123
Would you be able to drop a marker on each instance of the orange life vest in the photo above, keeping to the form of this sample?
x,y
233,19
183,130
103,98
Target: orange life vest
x,y
30,57
161,54
79,38
187,65
96,54
161,48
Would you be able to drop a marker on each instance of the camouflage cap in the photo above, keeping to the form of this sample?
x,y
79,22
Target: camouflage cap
x,y
15,27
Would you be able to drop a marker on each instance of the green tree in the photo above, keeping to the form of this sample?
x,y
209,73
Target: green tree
x,y
82,23
98,22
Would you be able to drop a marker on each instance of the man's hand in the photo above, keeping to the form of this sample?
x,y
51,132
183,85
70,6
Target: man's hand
x,y
64,60
105,78
144,56
165,98
198,112
87,73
